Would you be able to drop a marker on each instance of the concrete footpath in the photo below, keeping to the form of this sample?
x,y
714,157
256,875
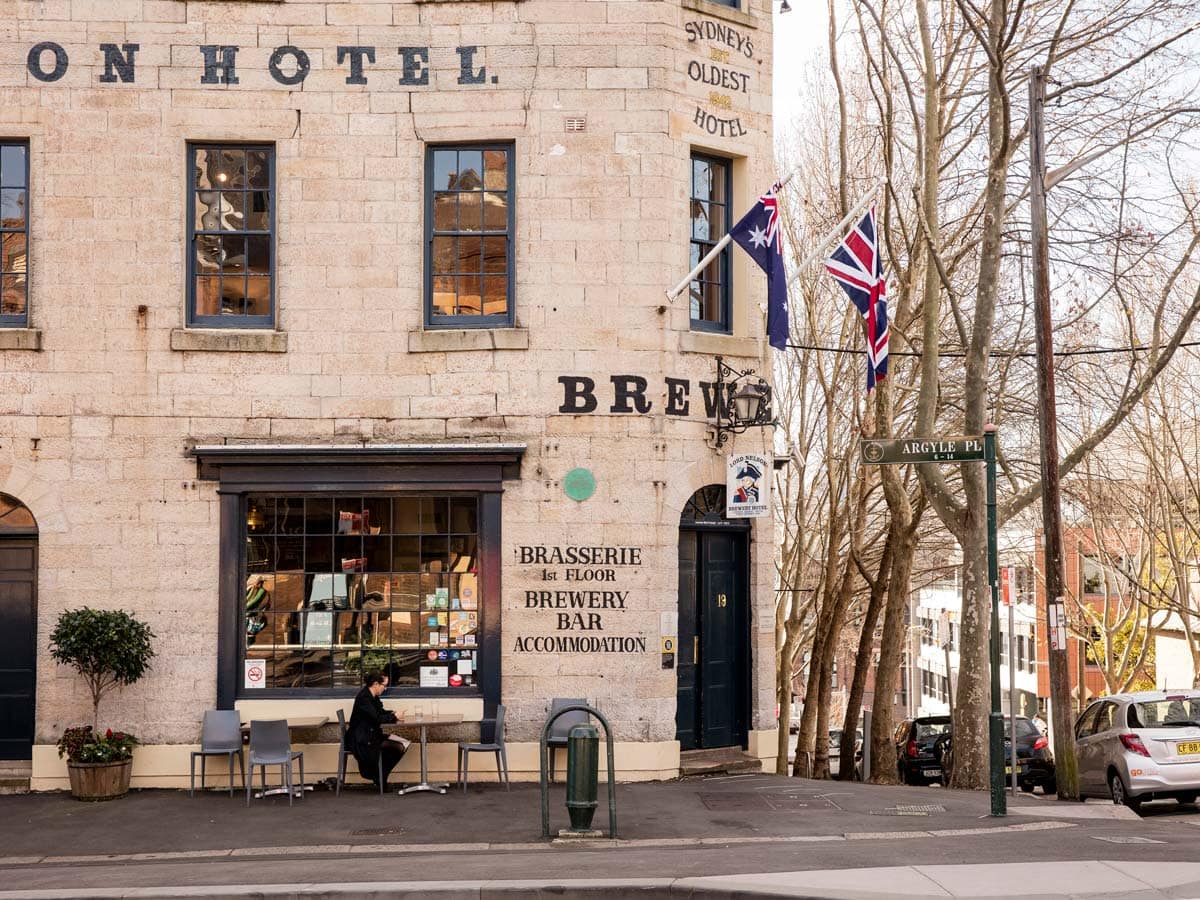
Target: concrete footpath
x,y
749,836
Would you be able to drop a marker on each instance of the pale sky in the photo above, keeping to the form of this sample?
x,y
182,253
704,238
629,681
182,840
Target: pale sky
x,y
799,36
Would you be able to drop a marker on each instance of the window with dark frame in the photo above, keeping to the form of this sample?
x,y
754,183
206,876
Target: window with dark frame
x,y
342,584
469,223
1093,575
14,233
231,235
710,202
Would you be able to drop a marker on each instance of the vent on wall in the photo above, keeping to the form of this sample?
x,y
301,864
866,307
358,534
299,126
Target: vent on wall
x,y
576,123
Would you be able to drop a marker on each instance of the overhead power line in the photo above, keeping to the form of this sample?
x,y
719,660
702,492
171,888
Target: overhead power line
x,y
1001,354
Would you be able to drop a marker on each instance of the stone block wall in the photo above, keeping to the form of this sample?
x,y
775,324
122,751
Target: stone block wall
x,y
96,424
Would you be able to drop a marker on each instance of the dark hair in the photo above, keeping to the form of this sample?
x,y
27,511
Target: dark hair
x,y
374,677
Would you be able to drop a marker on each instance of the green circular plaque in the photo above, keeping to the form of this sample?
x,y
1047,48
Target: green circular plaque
x,y
579,484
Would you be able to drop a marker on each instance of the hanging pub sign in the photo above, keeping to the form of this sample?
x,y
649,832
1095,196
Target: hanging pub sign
x,y
747,486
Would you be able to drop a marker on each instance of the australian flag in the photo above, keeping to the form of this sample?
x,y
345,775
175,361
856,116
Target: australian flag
x,y
759,234
857,267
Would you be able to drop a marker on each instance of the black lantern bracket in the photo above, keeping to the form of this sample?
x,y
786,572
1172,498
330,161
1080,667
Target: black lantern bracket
x,y
743,401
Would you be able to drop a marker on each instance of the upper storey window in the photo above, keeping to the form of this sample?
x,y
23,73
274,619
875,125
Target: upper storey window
x,y
469,216
710,201
14,233
231,236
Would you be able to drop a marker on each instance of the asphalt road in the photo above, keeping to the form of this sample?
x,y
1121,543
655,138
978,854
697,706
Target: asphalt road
x,y
729,826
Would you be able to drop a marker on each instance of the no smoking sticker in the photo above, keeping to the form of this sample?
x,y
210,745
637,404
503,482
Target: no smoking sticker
x,y
256,673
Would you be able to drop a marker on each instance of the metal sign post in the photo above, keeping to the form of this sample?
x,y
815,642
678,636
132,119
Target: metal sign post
x,y
964,449
996,719
1008,589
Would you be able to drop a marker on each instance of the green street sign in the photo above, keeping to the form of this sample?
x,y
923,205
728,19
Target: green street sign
x,y
918,450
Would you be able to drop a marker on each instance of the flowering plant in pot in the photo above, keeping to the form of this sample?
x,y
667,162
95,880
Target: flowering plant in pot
x,y
109,648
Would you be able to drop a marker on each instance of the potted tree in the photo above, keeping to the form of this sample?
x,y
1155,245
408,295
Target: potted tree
x,y
109,648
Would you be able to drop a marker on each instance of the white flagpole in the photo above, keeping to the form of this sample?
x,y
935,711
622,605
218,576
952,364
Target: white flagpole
x,y
856,211
716,250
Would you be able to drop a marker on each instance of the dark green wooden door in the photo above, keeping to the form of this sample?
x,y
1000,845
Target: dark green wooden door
x,y
713,697
18,645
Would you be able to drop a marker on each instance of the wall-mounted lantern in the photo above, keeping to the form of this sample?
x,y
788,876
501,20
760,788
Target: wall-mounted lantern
x,y
743,401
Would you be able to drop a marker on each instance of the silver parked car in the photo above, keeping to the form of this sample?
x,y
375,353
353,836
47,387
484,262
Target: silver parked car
x,y
1141,746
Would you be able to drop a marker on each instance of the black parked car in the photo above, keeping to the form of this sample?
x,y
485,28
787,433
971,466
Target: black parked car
x,y
919,743
1035,762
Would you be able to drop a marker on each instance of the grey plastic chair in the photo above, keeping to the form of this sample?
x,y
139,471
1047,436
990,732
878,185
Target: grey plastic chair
x,y
343,754
562,726
465,749
220,735
270,745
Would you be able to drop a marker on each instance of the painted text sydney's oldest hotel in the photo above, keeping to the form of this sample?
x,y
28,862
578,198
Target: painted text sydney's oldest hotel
x,y
335,336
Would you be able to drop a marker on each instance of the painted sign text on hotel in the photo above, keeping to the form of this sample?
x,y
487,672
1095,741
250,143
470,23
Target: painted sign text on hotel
x,y
717,73
578,610
629,395
288,65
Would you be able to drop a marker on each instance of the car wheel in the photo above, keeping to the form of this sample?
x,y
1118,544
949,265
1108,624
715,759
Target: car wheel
x,y
1187,798
1052,788
1120,797
1026,788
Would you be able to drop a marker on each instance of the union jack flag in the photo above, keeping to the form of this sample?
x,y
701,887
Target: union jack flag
x,y
856,265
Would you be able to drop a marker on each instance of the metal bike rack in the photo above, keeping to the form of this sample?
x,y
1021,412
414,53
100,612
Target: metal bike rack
x,y
544,763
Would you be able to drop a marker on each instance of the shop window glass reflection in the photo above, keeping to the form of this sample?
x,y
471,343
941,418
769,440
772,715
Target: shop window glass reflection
x,y
339,584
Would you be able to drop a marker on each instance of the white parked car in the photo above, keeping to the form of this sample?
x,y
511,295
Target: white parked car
x,y
1141,746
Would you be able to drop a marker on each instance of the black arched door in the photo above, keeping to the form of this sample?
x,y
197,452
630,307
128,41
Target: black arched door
x,y
18,628
713,669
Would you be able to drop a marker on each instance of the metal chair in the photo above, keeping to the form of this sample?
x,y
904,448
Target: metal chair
x,y
465,749
562,726
270,745
343,753
220,735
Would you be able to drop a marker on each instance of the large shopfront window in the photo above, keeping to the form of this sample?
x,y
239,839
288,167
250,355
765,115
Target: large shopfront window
x,y
337,558
336,585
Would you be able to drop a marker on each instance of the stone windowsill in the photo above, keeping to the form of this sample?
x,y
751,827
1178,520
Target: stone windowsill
x,y
720,11
20,338
719,344
229,340
446,340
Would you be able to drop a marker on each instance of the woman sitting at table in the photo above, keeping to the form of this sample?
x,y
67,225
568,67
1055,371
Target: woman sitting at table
x,y
365,737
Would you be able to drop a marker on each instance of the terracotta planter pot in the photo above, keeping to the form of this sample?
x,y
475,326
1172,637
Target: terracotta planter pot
x,y
99,781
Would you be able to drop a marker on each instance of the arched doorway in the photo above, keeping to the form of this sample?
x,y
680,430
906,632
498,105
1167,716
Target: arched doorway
x,y
18,627
713,670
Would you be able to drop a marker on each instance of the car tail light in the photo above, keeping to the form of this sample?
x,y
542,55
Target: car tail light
x,y
1041,743
911,749
1134,744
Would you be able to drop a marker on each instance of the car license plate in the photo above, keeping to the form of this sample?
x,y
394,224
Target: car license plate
x,y
933,771
1187,748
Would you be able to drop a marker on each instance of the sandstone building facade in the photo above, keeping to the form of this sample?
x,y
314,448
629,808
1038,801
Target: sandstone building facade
x,y
334,336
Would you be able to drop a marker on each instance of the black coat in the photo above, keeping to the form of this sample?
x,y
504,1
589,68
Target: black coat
x,y
365,732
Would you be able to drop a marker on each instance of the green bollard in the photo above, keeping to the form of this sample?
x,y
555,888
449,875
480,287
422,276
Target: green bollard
x,y
583,761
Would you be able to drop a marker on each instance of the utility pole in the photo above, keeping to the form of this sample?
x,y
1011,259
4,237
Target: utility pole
x,y
1066,767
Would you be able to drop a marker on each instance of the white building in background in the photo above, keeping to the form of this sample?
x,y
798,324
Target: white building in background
x,y
936,635
1174,666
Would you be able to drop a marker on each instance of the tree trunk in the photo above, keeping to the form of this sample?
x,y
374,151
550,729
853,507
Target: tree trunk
x,y
787,662
862,661
891,652
972,701
806,740
828,655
